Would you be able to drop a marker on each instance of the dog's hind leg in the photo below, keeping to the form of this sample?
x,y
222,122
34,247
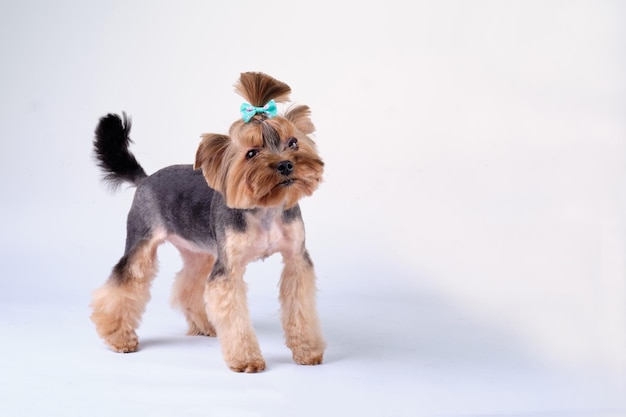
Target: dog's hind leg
x,y
117,306
188,291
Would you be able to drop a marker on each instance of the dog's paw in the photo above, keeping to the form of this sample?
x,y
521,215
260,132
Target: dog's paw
x,y
308,357
123,341
250,365
206,329
307,351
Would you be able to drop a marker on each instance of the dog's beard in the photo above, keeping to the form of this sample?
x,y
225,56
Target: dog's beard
x,y
265,187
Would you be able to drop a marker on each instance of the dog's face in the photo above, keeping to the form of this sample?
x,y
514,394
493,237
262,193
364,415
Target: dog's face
x,y
263,162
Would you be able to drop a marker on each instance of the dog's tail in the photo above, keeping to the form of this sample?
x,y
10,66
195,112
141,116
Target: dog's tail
x,y
111,151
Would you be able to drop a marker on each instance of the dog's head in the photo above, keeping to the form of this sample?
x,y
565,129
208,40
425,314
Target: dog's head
x,y
267,159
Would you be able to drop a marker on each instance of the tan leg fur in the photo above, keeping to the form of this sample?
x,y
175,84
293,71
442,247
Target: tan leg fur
x,y
227,309
118,305
188,291
300,321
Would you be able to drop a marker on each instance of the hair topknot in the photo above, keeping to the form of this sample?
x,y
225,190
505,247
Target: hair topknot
x,y
258,88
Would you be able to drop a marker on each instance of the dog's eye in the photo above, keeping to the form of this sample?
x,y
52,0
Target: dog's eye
x,y
251,153
292,143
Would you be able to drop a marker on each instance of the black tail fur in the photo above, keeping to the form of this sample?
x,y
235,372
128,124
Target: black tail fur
x,y
112,154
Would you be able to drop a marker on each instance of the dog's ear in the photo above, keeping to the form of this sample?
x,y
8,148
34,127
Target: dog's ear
x,y
211,158
258,88
300,116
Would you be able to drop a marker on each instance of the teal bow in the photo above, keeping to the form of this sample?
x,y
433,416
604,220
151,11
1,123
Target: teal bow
x,y
248,110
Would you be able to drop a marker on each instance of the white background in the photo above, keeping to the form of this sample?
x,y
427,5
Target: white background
x,y
469,236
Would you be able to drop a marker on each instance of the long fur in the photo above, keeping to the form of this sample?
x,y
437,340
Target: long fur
x,y
111,151
259,88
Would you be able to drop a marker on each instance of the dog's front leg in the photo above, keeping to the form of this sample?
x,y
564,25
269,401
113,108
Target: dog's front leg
x,y
301,324
227,309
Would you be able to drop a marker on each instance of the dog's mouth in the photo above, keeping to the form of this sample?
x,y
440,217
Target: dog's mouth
x,y
286,183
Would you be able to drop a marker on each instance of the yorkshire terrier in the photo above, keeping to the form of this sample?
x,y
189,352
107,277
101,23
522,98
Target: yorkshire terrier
x,y
238,203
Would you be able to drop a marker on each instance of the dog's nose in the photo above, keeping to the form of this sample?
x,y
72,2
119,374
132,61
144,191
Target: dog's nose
x,y
285,167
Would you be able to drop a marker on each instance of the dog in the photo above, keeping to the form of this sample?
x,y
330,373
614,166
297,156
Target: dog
x,y
236,204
